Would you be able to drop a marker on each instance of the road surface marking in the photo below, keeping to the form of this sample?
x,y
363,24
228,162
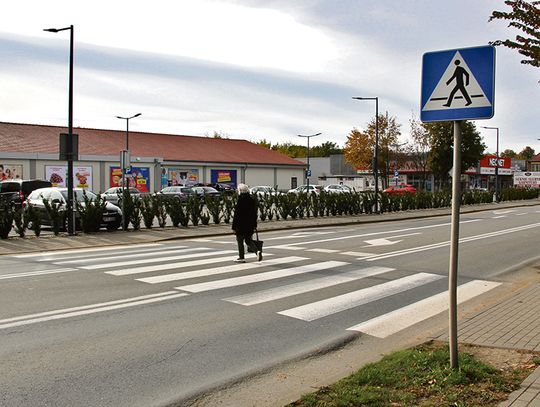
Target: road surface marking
x,y
358,254
255,278
125,250
180,249
35,273
306,286
88,309
156,259
219,270
323,250
395,321
93,249
170,266
323,308
287,247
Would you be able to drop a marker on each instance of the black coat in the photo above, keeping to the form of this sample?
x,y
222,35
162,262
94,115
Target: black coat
x,y
245,215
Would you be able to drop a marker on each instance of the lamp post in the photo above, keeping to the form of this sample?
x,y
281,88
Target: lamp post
x,y
496,163
308,169
375,164
70,200
124,158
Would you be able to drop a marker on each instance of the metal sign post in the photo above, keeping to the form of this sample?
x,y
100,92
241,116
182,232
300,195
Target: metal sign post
x,y
457,85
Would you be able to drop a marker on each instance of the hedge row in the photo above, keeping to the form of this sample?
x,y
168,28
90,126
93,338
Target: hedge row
x,y
279,207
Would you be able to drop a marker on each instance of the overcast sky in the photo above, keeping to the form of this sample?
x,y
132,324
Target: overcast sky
x,y
250,69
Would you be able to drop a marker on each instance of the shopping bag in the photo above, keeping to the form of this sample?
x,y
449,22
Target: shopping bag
x,y
258,244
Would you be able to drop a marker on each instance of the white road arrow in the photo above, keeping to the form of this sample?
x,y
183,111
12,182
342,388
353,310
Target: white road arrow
x,y
387,242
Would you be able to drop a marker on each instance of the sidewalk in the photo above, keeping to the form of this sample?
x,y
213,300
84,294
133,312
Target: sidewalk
x,y
512,323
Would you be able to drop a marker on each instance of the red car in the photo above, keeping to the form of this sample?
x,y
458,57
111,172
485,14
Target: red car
x,y
400,189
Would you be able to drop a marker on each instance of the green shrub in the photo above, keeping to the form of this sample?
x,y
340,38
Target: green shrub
x,y
56,214
6,219
20,220
90,213
214,208
148,209
194,209
34,217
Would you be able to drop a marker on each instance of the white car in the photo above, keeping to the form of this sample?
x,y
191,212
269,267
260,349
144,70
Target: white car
x,y
263,190
338,189
313,189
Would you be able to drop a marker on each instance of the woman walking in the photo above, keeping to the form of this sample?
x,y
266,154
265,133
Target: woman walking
x,y
245,222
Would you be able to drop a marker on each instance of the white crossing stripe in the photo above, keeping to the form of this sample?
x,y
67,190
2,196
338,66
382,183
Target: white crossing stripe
x,y
35,273
323,250
156,260
395,321
219,270
286,247
93,249
319,309
255,278
80,257
305,286
168,266
358,254
88,309
118,256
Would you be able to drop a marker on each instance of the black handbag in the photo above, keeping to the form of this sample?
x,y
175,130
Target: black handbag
x,y
258,244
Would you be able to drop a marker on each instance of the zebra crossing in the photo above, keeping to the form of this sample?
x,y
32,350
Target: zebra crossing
x,y
277,279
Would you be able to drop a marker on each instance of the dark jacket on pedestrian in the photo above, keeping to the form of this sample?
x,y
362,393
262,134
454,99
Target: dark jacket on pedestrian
x,y
245,215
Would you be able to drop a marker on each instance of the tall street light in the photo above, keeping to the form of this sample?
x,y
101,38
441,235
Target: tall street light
x,y
375,164
70,200
308,173
124,158
496,163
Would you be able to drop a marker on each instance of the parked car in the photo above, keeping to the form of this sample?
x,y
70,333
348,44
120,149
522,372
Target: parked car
x,y
201,192
264,190
15,191
400,189
337,189
176,193
112,216
226,188
313,189
114,195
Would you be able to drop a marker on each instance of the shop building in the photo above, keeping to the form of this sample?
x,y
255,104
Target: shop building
x,y
32,151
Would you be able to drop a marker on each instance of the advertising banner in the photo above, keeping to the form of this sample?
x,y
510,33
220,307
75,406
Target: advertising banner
x,y
527,179
139,177
179,176
223,177
490,162
10,171
82,176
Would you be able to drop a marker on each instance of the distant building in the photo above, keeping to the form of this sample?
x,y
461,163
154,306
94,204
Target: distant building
x,y
157,160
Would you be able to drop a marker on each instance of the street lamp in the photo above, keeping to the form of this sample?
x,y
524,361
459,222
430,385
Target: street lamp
x,y
496,163
308,170
124,158
70,200
375,164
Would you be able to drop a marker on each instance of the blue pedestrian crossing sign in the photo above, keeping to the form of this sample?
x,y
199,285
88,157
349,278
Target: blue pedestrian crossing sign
x,y
458,84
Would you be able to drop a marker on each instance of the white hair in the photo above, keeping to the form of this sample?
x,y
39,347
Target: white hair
x,y
242,188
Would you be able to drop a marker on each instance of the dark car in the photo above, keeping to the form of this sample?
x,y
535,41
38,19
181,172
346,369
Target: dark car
x,y
16,191
178,193
112,216
202,192
226,188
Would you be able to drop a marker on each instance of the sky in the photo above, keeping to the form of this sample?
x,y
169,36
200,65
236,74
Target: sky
x,y
250,69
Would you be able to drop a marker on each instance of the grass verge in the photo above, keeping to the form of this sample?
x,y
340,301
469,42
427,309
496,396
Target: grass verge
x,y
422,376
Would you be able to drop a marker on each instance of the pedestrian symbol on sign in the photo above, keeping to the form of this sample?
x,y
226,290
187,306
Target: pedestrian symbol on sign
x,y
458,75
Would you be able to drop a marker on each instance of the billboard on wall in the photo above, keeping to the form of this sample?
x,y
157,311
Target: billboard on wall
x,y
527,179
57,174
10,171
139,177
223,177
179,176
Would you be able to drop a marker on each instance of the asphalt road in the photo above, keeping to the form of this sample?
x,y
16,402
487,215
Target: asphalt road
x,y
158,323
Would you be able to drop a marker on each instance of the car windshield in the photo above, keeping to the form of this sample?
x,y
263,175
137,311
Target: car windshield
x,y
79,195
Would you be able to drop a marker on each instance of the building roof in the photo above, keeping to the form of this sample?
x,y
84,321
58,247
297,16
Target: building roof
x,y
32,138
535,158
